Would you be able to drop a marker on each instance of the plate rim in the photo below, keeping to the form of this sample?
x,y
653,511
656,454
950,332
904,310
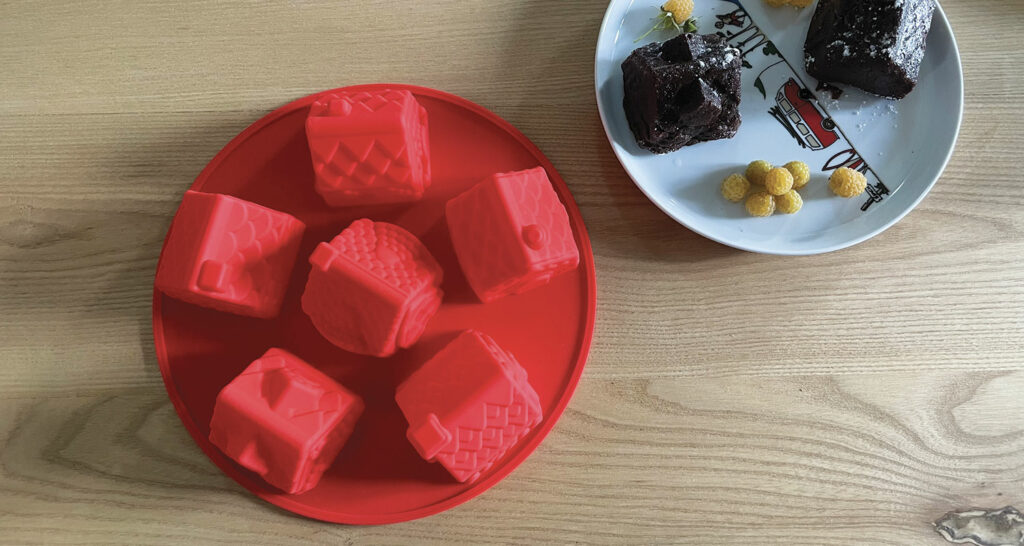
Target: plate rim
x,y
286,501
606,23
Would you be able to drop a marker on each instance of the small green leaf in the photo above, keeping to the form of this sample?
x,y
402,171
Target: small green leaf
x,y
760,87
770,49
663,21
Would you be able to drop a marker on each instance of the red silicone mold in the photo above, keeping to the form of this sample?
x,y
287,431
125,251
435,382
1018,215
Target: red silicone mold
x,y
379,477
511,234
468,405
229,254
284,420
372,289
369,147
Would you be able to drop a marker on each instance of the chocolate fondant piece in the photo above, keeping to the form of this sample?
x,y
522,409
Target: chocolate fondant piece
x,y
876,45
683,91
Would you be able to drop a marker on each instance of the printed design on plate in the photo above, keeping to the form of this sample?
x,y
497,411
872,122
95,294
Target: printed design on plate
x,y
793,104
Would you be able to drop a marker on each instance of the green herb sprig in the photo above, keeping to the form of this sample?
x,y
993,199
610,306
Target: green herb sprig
x,y
665,21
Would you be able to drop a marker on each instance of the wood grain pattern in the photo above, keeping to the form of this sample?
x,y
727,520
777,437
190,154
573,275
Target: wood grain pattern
x,y
731,398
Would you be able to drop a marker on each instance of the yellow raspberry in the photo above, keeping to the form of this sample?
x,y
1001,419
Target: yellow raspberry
x,y
800,3
801,173
681,10
778,181
761,203
735,187
846,182
757,170
789,202
776,3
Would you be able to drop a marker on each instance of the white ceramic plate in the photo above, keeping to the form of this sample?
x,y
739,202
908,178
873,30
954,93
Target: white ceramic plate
x,y
902,146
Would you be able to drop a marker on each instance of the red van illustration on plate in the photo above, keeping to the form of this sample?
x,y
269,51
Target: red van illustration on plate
x,y
794,106
795,111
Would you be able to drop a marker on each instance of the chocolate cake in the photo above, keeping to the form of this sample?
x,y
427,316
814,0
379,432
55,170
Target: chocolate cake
x,y
876,45
683,91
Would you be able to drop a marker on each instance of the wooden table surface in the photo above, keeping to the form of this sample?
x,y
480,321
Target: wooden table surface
x,y
731,398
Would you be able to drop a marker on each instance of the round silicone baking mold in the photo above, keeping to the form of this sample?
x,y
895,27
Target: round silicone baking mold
x,y
378,477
